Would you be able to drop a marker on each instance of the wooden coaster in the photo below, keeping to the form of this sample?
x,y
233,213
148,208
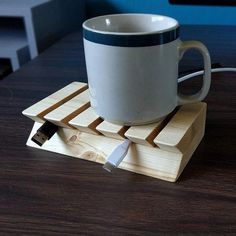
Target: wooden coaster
x,y
160,150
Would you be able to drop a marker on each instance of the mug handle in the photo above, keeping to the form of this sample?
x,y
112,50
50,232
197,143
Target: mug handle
x,y
184,99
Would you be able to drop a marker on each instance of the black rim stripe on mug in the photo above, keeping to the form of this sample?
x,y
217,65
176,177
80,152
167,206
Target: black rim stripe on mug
x,y
131,40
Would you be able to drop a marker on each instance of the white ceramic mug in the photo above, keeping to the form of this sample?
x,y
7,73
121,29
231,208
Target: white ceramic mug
x,y
132,67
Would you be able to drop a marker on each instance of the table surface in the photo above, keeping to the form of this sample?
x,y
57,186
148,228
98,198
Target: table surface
x,y
50,194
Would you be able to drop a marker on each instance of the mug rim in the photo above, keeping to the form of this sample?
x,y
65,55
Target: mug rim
x,y
86,27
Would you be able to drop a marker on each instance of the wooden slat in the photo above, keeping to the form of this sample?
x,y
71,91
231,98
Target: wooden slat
x,y
112,130
140,159
87,121
193,144
67,111
177,140
182,128
144,134
37,111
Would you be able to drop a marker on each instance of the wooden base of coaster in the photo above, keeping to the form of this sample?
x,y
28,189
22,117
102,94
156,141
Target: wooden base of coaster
x,y
160,150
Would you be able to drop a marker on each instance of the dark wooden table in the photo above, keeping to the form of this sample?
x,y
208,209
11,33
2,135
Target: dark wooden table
x,y
43,193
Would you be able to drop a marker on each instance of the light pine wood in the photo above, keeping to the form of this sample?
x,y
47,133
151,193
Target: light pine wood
x,y
150,161
37,111
67,111
112,130
141,159
161,150
182,128
192,144
144,134
87,121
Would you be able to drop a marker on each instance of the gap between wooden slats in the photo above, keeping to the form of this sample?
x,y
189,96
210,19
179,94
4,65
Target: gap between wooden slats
x,y
67,111
37,111
144,134
87,121
112,130
181,129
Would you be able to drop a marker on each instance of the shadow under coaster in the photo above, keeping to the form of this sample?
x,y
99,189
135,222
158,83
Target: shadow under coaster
x,y
160,150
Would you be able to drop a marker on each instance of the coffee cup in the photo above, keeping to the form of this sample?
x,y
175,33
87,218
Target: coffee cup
x,y
132,67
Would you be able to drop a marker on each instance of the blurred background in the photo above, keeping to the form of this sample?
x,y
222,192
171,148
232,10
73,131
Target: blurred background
x,y
199,12
28,27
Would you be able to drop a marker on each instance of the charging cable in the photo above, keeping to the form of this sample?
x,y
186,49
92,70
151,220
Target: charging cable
x,y
117,156
119,153
201,72
44,133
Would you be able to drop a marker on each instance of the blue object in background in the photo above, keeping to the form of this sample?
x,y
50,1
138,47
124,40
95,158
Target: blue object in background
x,y
185,14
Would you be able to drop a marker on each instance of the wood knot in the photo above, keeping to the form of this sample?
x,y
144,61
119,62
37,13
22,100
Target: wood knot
x,y
73,138
92,156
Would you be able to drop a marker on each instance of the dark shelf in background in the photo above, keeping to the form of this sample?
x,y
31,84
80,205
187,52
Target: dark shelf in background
x,y
5,68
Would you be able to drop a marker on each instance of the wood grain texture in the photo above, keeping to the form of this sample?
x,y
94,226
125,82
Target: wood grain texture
x,y
87,121
144,134
38,110
68,110
141,159
44,193
177,135
112,130
180,132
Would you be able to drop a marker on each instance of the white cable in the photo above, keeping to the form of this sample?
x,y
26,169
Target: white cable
x,y
201,72
117,155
